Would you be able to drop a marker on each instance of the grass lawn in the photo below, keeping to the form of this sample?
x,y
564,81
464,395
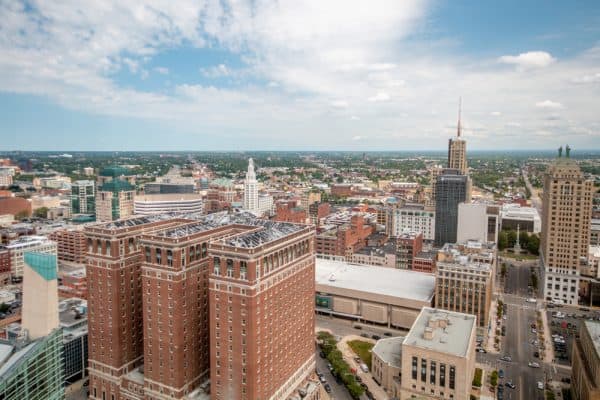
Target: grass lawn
x,y
363,350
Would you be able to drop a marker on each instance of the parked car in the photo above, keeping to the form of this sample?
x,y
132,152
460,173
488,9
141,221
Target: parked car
x,y
364,335
321,354
510,385
540,385
376,337
506,358
501,374
536,354
322,379
481,350
533,364
327,388
531,300
388,333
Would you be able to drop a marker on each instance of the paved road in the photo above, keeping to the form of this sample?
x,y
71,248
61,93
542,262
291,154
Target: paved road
x,y
535,199
338,392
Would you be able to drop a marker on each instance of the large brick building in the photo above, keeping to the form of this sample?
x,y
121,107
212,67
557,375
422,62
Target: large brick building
x,y
70,245
344,240
151,283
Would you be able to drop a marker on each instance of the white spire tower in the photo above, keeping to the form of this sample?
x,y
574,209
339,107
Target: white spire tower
x,y
251,189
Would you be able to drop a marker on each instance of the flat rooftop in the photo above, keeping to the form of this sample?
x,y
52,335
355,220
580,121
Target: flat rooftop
x,y
451,331
593,327
271,231
380,280
390,350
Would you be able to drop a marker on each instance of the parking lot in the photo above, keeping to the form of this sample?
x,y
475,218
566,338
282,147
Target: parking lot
x,y
564,326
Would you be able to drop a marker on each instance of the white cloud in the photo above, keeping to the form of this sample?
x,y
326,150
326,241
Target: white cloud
x,y
513,125
379,97
162,70
549,104
531,59
302,58
216,71
357,138
339,104
588,78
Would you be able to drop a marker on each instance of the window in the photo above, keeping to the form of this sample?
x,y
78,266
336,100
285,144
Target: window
x,y
131,245
158,256
243,269
452,376
423,370
432,373
442,374
170,257
217,265
414,367
229,268
148,254
204,250
107,249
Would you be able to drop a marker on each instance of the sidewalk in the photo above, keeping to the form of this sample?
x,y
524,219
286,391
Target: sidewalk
x,y
366,377
548,343
490,342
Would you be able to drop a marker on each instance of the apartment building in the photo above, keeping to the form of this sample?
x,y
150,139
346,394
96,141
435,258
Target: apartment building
x,y
70,245
585,371
17,249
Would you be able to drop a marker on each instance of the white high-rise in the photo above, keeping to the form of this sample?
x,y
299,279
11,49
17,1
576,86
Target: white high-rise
x,y
251,189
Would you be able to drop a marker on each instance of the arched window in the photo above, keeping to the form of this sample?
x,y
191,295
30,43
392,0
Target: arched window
x,y
229,268
90,244
131,245
148,254
198,255
204,250
107,248
192,254
158,256
243,269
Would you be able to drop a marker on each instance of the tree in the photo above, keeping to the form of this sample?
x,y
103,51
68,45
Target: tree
x,y
41,212
4,307
523,239
502,240
503,270
21,215
494,378
512,239
533,246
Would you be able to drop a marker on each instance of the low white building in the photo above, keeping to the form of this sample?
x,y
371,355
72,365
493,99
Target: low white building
x,y
478,222
411,218
164,203
527,218
18,247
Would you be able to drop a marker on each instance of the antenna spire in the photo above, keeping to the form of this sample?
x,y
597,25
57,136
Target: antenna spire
x,y
459,112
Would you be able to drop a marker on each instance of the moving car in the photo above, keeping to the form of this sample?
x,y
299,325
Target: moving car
x,y
510,385
533,364
540,385
531,300
501,374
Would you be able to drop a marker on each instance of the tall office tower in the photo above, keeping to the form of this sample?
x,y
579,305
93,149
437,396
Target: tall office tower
x,y
251,189
115,200
175,291
40,294
457,151
83,197
451,188
31,366
566,216
262,287
115,302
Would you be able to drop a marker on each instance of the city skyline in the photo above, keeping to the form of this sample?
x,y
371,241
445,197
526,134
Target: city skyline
x,y
218,76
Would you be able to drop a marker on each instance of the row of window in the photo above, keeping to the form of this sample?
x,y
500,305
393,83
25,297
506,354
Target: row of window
x,y
436,377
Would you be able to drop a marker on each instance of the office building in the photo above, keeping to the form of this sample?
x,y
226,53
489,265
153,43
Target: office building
x,y
464,282
5,270
16,206
585,370
70,245
251,189
165,203
151,282
6,179
154,188
438,356
382,296
457,151
30,364
73,322
478,222
410,218
113,173
262,312
452,188
344,239
114,200
408,245
564,242
83,197
318,211
17,249
386,363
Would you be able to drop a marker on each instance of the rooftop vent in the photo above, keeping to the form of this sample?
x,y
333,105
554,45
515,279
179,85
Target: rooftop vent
x,y
428,334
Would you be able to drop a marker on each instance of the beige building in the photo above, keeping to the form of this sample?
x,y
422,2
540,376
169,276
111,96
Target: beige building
x,y
374,295
386,363
114,200
585,371
465,279
566,216
438,356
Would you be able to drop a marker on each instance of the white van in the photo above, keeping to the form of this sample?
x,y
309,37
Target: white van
x,y
531,300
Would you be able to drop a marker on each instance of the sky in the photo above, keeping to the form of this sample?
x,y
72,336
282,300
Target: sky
x,y
167,75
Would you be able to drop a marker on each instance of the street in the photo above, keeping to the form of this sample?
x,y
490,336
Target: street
x,y
338,392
